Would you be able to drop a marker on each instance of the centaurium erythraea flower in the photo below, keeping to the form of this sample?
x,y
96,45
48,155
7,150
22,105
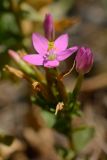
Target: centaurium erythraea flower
x,y
50,53
84,60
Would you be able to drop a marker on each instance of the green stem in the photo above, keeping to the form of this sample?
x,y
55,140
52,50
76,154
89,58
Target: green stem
x,y
77,87
74,100
50,77
59,92
62,90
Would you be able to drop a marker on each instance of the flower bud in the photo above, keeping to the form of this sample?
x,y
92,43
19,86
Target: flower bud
x,y
84,60
49,27
14,55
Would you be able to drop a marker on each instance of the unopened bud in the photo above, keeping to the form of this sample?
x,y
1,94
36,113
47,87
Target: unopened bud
x,y
84,60
49,27
14,55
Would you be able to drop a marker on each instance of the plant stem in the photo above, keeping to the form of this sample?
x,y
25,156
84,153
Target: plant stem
x,y
77,87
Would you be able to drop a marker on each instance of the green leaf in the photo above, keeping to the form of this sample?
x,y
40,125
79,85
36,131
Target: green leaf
x,y
66,154
81,136
49,118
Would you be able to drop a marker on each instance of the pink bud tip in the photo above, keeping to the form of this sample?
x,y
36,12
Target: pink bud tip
x,y
14,55
84,60
49,27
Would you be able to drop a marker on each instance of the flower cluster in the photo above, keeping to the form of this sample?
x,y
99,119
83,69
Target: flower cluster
x,y
51,52
47,89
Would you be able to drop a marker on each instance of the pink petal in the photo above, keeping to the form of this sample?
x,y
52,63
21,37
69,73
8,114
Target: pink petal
x,y
81,56
80,53
90,60
67,53
34,59
83,62
51,64
40,43
61,43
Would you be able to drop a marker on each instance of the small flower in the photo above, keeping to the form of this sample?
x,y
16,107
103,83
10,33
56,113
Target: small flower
x,y
84,60
50,53
49,27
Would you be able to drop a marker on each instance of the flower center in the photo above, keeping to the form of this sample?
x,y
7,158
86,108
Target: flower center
x,y
51,56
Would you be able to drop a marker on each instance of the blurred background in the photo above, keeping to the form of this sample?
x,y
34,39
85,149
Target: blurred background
x,y
86,23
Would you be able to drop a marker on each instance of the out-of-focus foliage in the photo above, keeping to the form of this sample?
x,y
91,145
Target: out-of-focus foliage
x,y
86,135
6,139
10,36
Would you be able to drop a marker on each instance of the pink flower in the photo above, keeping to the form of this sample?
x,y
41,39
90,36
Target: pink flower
x,y
84,60
50,54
